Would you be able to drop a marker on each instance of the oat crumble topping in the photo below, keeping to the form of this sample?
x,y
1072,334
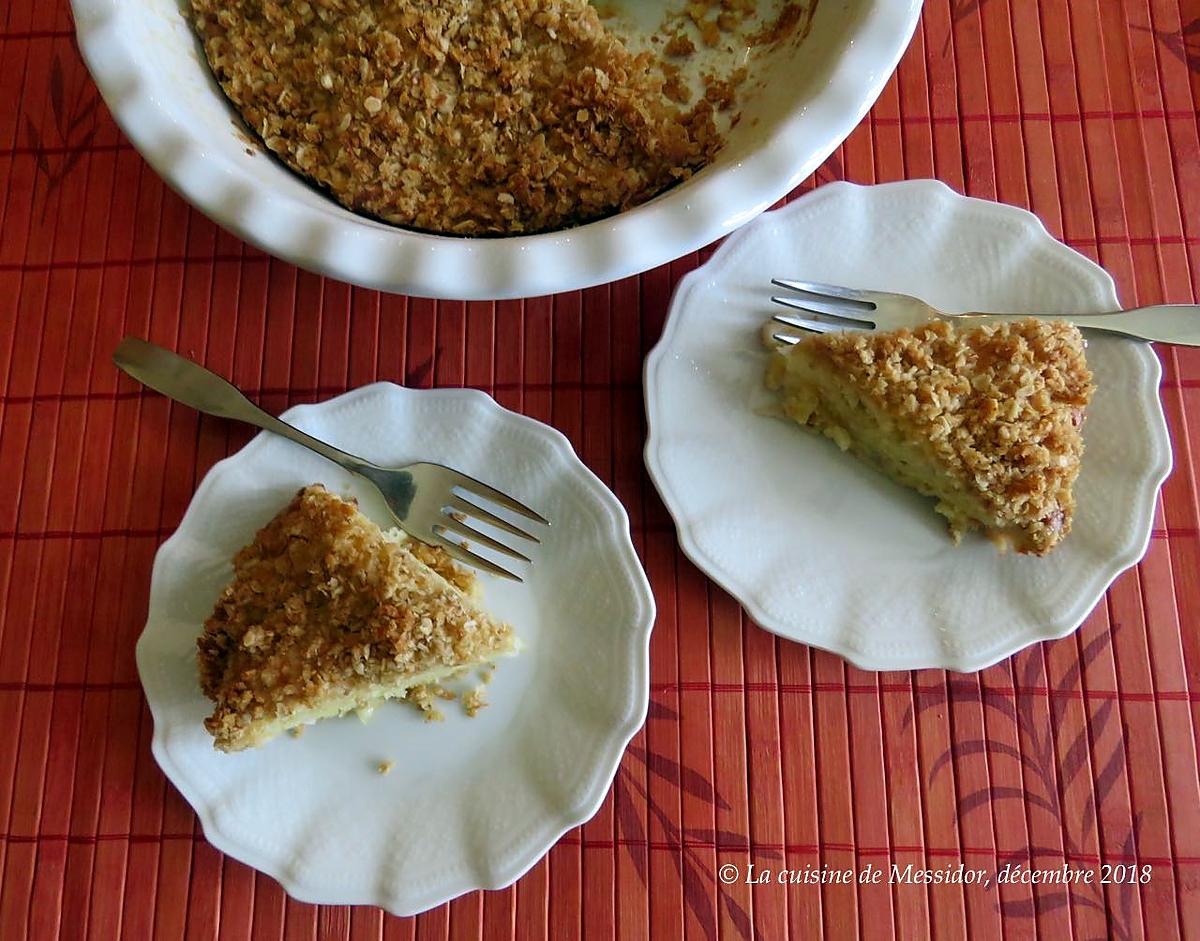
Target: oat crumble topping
x,y
484,117
323,605
457,116
1000,406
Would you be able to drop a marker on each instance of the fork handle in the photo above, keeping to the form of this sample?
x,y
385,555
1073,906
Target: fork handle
x,y
190,383
1163,323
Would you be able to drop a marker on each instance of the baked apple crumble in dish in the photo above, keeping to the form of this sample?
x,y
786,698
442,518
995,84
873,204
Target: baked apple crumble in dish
x,y
488,117
482,151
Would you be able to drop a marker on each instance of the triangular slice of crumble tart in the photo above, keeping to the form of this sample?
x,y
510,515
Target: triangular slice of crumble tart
x,y
327,614
984,418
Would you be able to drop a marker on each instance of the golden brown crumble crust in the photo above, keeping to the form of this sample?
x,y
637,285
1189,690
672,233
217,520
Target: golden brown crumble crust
x,y
322,604
459,116
1001,406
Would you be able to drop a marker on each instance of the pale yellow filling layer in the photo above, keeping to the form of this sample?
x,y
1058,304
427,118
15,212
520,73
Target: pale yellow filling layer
x,y
363,700
813,395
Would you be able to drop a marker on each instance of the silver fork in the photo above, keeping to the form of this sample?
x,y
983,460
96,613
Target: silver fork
x,y
427,501
849,308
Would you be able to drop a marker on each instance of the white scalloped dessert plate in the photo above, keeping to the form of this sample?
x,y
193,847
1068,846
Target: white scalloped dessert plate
x,y
470,802
816,546
148,66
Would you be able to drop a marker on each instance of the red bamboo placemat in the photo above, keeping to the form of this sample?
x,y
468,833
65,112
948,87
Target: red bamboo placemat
x,y
1079,754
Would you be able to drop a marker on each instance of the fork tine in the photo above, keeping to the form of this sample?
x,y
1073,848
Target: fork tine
x,y
478,488
803,323
464,506
811,306
789,338
455,551
828,290
452,525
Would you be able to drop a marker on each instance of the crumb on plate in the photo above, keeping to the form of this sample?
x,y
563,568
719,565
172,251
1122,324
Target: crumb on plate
x,y
473,701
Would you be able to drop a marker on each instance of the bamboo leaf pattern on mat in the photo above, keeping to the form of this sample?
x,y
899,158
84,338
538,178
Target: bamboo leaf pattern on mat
x,y
727,840
56,91
988,795
976,747
1047,902
630,825
659,711
71,133
686,779
1183,45
1105,781
1128,849
1026,908
959,11
698,882
695,893
737,914
1036,755
831,170
956,691
1077,752
419,374
33,140
1093,649
1033,852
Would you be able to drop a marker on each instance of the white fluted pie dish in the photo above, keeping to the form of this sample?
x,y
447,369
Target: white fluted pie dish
x,y
155,80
